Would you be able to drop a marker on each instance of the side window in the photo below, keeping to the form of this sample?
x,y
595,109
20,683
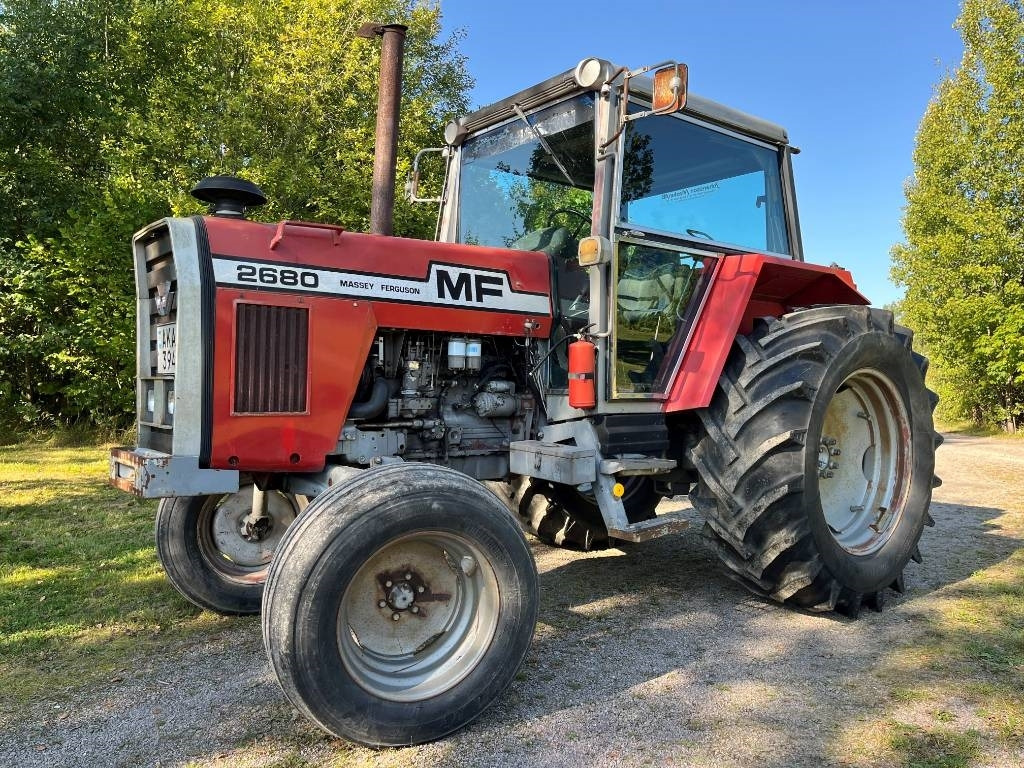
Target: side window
x,y
656,289
701,184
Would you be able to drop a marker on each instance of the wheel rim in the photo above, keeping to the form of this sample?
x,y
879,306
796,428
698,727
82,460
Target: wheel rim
x,y
444,593
220,534
864,462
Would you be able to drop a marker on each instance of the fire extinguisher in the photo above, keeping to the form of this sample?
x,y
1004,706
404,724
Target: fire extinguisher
x,y
582,366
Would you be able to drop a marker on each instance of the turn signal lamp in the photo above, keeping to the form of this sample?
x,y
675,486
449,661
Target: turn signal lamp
x,y
669,89
594,250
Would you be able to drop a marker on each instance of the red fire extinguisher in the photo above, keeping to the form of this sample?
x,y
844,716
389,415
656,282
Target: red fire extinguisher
x,y
582,365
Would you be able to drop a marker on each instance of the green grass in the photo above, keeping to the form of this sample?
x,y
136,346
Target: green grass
x,y
933,747
969,429
81,591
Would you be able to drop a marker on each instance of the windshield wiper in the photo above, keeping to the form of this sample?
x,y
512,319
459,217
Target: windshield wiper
x,y
544,143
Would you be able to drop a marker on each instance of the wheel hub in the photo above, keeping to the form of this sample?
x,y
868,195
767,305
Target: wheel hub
x,y
256,530
401,596
230,540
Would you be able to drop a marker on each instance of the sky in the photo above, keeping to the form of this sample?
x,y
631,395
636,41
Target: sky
x,y
848,80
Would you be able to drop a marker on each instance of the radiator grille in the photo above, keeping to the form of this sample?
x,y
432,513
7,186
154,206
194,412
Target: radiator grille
x,y
271,359
159,284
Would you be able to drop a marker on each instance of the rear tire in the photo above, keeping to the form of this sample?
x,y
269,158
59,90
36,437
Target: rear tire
x,y
562,516
205,557
817,460
429,546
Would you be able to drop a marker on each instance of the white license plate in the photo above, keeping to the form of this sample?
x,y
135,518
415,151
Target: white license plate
x,y
166,347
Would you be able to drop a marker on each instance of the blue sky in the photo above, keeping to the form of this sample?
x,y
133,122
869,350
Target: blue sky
x,y
849,81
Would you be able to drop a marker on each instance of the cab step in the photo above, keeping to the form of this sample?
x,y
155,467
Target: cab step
x,y
642,465
662,525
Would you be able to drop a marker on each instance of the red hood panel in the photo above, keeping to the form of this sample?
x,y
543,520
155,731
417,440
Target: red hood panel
x,y
410,283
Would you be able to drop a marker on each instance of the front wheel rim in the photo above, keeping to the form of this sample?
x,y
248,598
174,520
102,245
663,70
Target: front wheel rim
x,y
418,616
220,534
864,462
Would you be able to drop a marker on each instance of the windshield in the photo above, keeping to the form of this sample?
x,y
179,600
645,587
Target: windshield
x,y
511,184
701,184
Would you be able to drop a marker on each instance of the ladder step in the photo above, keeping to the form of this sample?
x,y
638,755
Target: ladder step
x,y
644,465
662,525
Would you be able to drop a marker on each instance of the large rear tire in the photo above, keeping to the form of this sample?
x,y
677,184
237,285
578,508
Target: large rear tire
x,y
400,605
563,516
817,460
200,544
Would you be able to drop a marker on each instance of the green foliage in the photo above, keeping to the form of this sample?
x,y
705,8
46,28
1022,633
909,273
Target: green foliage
x,y
963,262
109,113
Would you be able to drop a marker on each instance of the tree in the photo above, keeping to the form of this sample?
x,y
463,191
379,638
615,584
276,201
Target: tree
x,y
963,260
111,112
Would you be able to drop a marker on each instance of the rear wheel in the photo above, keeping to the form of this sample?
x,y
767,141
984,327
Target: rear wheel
x,y
208,554
817,460
400,606
563,516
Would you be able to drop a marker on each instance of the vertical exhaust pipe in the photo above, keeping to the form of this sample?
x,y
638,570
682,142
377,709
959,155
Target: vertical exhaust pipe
x,y
382,206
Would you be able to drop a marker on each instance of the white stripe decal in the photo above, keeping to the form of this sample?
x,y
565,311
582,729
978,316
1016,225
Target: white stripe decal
x,y
447,285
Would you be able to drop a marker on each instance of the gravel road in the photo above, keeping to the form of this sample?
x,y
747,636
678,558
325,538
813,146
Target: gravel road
x,y
644,656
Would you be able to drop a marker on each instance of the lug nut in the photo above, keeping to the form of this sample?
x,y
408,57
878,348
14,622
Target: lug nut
x,y
833,465
382,603
828,473
396,616
408,577
415,609
387,583
421,589
835,451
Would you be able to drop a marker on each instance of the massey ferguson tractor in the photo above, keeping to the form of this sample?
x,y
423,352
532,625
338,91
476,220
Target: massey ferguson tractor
x,y
616,310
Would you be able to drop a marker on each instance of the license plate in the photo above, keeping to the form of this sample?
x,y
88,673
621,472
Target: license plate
x,y
166,347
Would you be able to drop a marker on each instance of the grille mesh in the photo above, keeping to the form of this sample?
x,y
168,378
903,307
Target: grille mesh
x,y
271,359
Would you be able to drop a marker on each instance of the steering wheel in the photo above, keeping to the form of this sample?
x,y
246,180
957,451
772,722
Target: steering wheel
x,y
698,233
584,220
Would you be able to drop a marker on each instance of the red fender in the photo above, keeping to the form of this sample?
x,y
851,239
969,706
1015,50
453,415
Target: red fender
x,y
742,289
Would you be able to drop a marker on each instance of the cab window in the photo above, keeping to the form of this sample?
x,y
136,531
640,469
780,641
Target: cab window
x,y
699,183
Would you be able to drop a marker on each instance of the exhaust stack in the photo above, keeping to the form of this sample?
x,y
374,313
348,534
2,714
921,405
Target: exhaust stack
x,y
389,99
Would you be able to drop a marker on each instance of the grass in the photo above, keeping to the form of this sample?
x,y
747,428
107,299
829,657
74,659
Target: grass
x,y
934,748
969,429
956,681
81,591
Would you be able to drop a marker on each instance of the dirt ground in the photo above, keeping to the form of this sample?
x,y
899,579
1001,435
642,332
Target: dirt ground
x,y
643,656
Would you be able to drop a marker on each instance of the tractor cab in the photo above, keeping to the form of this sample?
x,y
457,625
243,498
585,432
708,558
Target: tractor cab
x,y
658,183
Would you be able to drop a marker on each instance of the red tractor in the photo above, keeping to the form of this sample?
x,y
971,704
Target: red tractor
x,y
616,310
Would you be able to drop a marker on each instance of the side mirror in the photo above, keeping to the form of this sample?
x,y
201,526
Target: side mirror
x,y
668,94
412,184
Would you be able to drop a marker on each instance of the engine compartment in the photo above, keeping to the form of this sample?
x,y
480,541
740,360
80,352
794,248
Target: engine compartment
x,y
446,399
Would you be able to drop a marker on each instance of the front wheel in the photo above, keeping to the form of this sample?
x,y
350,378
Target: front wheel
x,y
400,606
817,460
209,555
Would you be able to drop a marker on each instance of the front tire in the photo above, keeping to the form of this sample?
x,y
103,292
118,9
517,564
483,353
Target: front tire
x,y
199,543
400,606
817,460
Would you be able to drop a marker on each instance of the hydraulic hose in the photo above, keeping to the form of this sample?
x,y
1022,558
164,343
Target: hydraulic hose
x,y
375,405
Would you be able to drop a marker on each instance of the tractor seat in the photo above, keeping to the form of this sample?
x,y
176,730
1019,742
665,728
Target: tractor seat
x,y
554,241
643,293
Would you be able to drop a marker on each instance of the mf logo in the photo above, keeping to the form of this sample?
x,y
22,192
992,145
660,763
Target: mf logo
x,y
468,286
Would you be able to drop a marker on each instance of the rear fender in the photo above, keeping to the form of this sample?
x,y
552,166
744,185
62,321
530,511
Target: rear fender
x,y
742,289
